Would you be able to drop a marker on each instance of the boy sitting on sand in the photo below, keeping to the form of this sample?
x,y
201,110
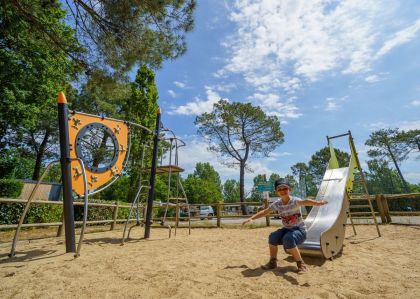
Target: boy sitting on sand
x,y
293,232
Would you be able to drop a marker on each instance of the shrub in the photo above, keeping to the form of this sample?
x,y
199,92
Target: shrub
x,y
10,188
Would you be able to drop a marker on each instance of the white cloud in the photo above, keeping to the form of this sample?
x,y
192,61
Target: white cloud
x,y
272,105
180,84
225,87
409,125
401,37
285,44
334,104
415,103
404,125
378,125
372,79
195,152
412,177
197,106
172,93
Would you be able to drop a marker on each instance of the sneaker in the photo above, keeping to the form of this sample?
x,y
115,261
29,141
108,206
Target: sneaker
x,y
301,267
272,264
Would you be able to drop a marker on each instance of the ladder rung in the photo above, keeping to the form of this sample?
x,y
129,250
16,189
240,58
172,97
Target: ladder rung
x,y
359,181
359,206
338,179
361,213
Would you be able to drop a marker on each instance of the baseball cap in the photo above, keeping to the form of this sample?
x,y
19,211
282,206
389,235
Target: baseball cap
x,y
281,182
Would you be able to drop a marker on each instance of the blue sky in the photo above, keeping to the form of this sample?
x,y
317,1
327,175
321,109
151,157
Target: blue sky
x,y
323,67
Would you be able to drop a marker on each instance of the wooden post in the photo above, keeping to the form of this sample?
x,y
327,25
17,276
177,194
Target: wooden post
x,y
380,208
219,212
386,208
267,218
60,228
177,214
114,217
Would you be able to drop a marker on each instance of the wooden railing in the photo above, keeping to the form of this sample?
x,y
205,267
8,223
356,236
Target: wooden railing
x,y
222,210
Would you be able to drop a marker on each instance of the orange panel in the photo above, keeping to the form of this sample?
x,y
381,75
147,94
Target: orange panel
x,y
96,176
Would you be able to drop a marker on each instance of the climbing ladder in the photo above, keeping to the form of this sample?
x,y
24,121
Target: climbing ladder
x,y
178,198
357,189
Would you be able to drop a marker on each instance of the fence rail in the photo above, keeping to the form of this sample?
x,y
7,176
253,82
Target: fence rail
x,y
220,208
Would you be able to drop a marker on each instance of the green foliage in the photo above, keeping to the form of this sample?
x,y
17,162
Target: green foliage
x,y
117,191
410,138
42,213
10,213
10,188
37,213
203,186
231,191
102,94
382,179
34,67
386,144
141,108
319,162
15,164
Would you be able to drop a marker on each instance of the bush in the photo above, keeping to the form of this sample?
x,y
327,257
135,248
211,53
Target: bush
x,y
10,188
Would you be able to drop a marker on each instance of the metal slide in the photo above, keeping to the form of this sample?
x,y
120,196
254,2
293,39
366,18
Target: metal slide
x,y
326,224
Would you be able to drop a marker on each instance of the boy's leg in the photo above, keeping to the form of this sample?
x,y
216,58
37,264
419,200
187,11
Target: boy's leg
x,y
290,241
274,240
273,251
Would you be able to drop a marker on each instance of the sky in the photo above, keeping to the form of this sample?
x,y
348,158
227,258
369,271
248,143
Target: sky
x,y
322,67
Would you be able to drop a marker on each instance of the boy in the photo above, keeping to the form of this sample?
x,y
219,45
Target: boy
x,y
293,232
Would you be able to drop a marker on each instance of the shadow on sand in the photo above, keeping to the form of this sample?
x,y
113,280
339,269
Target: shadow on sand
x,y
279,271
33,255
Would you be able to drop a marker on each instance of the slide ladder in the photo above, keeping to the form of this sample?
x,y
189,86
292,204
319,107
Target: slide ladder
x,y
326,224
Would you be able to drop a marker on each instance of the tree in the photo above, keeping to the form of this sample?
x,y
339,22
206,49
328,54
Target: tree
x,y
231,192
410,138
319,162
239,131
32,72
301,171
141,108
385,146
382,179
102,94
203,186
118,34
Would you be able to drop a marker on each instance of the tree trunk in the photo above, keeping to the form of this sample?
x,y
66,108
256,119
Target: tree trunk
x,y
242,187
40,156
407,189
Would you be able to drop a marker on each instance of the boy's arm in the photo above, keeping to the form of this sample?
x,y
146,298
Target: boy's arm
x,y
260,214
311,202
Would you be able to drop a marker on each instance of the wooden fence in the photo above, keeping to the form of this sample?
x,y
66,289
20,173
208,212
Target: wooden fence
x,y
222,210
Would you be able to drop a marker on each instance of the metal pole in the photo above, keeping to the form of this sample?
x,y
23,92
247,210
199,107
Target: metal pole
x,y
152,178
68,208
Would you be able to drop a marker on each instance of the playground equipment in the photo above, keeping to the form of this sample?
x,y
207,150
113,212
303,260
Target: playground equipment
x,y
176,200
94,152
326,224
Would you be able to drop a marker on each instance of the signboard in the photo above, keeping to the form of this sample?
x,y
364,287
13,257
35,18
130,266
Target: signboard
x,y
261,187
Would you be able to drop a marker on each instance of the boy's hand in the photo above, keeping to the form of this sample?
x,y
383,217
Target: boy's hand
x,y
247,221
322,202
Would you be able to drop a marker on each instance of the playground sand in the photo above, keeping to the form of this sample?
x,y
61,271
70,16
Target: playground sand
x,y
211,263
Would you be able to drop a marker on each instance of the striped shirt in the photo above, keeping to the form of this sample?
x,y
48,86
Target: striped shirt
x,y
289,213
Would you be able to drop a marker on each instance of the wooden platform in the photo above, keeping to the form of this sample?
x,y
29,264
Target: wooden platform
x,y
166,169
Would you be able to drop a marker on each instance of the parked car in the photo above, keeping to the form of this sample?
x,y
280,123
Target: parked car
x,y
206,212
407,209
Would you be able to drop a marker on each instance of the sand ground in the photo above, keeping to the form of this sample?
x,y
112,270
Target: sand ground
x,y
211,263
